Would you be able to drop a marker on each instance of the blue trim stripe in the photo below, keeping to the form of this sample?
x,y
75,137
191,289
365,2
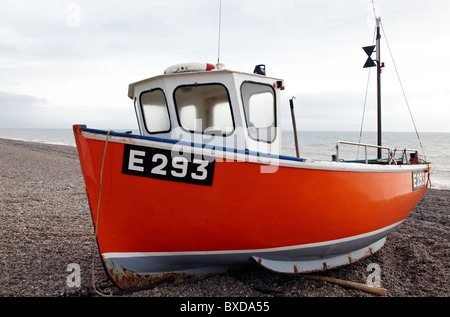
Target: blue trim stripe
x,y
206,146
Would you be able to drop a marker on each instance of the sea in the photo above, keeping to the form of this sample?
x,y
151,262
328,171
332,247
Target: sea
x,y
434,147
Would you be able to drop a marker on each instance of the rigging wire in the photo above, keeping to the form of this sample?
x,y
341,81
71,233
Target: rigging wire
x,y
401,85
365,98
364,109
404,94
367,89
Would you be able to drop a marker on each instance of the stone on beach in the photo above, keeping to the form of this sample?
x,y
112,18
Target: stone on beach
x,y
46,227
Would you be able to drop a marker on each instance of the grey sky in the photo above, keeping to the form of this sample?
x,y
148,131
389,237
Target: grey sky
x,y
66,62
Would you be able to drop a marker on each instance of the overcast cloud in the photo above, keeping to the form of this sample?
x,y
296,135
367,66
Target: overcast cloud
x,y
67,62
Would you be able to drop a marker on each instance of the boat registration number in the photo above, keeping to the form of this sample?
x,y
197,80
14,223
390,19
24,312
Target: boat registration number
x,y
418,180
168,165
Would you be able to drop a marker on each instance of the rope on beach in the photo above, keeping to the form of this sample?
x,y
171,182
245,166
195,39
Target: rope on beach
x,y
96,221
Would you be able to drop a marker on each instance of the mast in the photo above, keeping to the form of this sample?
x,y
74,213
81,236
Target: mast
x,y
371,63
379,66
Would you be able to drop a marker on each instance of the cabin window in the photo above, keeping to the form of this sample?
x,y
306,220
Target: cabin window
x,y
204,109
155,112
259,108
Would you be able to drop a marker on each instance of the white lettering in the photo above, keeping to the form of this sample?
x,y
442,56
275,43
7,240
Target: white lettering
x,y
133,160
159,169
197,307
180,163
165,165
418,180
244,306
201,168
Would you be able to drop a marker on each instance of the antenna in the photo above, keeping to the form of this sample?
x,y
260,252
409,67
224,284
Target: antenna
x,y
374,12
220,26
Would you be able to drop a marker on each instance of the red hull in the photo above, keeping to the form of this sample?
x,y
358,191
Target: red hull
x,y
244,209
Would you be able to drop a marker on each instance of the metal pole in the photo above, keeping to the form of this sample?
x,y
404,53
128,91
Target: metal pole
x,y
378,88
291,101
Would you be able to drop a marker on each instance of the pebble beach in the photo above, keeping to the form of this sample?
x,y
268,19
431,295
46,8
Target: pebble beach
x,y
46,229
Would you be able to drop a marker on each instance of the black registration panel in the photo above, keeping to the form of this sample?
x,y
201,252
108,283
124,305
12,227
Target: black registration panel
x,y
168,165
418,180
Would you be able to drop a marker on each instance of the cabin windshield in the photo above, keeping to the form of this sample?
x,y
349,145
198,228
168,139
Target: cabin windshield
x,y
259,107
155,112
204,109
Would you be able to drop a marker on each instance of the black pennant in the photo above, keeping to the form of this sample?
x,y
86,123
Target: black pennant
x,y
369,50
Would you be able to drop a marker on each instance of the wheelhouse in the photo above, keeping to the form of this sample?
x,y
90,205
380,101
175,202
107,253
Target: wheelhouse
x,y
220,108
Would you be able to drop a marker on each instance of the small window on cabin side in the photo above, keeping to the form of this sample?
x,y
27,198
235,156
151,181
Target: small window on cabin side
x,y
259,107
204,109
155,112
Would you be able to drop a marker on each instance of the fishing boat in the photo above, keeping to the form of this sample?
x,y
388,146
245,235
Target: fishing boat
x,y
204,186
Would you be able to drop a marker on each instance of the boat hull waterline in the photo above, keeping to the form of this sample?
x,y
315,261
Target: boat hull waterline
x,y
212,209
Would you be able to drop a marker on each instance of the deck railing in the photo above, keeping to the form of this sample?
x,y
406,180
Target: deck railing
x,y
390,159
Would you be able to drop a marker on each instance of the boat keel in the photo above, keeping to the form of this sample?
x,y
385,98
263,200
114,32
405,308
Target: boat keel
x,y
127,279
325,263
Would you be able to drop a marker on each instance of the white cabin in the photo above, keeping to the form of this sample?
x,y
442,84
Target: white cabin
x,y
222,108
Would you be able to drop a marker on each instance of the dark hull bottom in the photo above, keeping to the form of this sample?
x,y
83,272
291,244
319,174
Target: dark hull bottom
x,y
130,270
